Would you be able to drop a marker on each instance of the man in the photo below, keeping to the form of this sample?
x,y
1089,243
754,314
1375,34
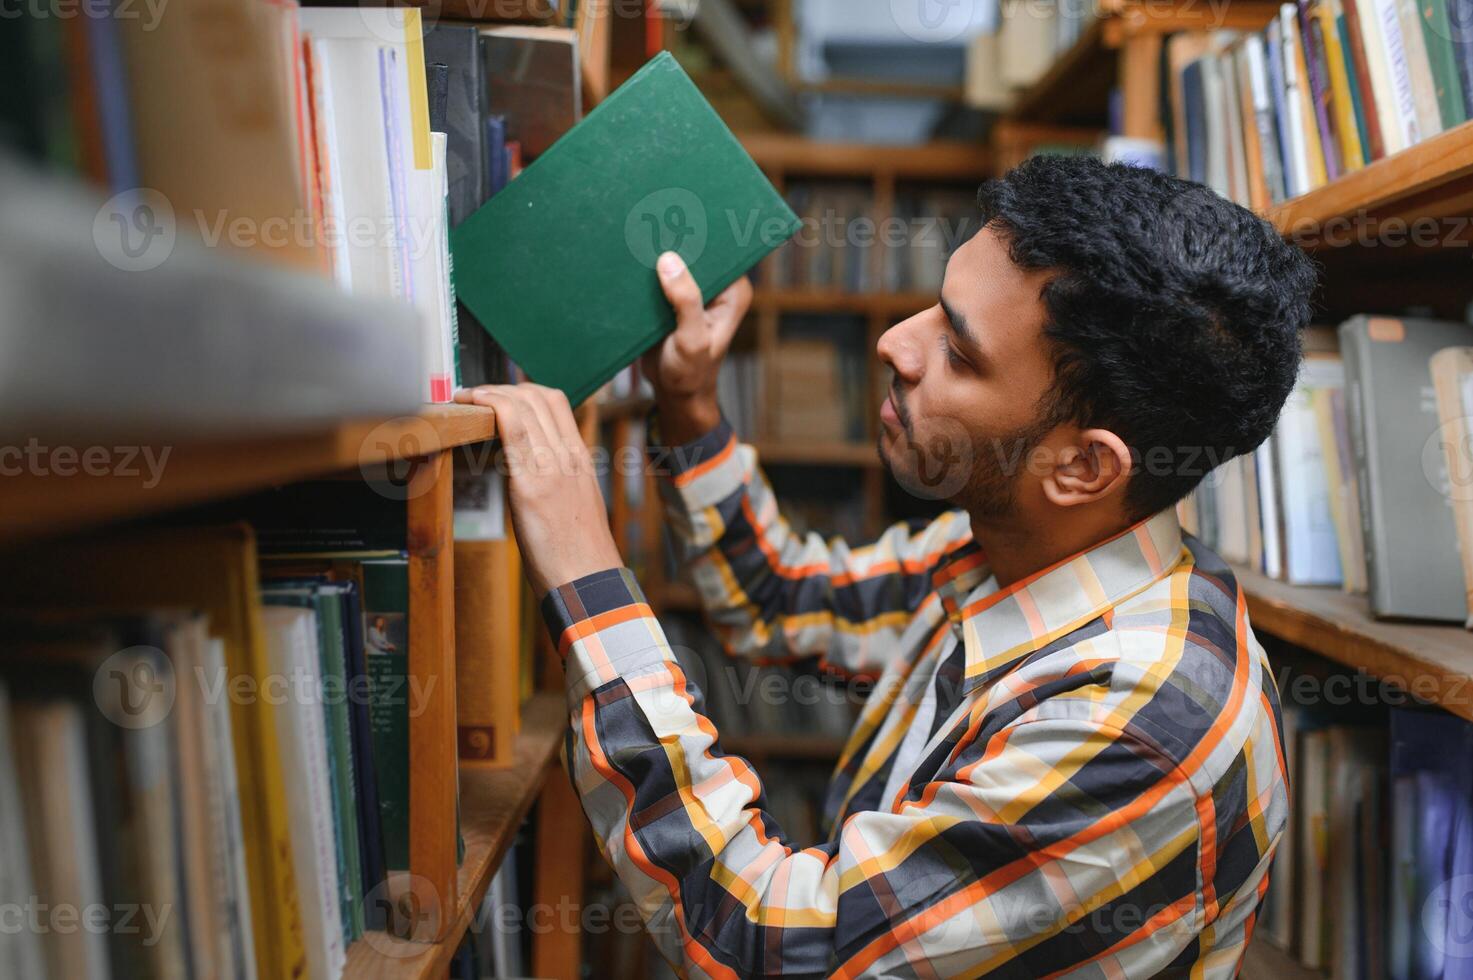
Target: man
x,y
1071,761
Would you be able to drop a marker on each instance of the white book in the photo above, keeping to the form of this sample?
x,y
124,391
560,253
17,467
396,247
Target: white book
x,y
1419,67
1232,527
224,799
1393,136
1293,98
291,647
1388,27
401,30
353,78
330,161
1217,125
428,255
1237,160
20,949
1311,547
1268,509
450,318
50,743
401,166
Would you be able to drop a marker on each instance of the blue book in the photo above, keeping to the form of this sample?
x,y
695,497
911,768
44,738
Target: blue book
x,y
110,85
1275,45
1196,115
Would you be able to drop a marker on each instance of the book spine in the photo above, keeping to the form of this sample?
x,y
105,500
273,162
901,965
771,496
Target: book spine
x,y
1460,30
1442,58
1312,42
1419,67
1367,114
1389,27
1343,99
1265,119
1297,103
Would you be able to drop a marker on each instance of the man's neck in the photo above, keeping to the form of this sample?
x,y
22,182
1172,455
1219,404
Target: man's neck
x,y
1017,547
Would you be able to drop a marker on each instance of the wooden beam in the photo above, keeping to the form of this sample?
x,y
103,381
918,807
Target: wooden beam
x,y
433,770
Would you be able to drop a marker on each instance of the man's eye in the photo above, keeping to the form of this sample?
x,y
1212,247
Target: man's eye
x,y
952,357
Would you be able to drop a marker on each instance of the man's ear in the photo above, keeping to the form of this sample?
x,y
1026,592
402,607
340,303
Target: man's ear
x,y
1094,465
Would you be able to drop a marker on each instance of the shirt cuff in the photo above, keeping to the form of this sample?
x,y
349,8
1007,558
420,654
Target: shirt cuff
x,y
703,471
608,608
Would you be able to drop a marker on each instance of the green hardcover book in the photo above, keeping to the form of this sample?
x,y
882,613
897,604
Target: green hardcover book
x,y
386,641
561,262
1437,32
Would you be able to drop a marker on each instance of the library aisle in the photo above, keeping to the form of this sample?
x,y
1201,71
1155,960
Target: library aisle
x,y
277,699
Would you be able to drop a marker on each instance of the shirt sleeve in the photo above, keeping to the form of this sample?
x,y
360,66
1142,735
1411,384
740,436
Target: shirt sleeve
x,y
773,593
1039,846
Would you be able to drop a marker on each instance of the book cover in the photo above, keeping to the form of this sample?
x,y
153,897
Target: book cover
x,y
1312,41
457,46
1343,101
213,570
1368,117
652,169
386,643
1460,31
1409,126
1452,379
1442,58
487,627
1311,550
1419,67
1410,534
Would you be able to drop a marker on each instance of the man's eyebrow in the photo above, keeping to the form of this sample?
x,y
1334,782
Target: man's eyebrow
x,y
959,325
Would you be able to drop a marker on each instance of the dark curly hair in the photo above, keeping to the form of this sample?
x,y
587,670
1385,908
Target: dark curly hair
x,y
1175,315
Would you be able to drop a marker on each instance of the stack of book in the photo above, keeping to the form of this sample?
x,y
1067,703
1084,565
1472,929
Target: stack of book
x,y
1326,88
1356,487
934,223
363,139
834,249
1372,875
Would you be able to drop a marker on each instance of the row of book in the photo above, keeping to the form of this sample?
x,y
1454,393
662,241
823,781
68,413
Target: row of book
x,y
228,745
1031,35
1326,88
846,246
1374,873
367,135
1364,481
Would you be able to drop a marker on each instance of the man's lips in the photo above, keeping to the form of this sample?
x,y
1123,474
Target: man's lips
x,y
888,415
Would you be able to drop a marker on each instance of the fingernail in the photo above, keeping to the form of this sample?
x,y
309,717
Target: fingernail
x,y
670,265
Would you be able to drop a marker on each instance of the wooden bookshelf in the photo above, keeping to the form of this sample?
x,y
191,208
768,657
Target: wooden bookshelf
x,y
34,504
493,804
1265,961
1434,661
1422,180
1122,45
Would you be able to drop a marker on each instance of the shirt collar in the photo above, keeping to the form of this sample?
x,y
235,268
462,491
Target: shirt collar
x,y
1000,627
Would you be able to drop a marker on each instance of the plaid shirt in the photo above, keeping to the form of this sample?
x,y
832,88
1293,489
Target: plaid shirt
x,y
1078,774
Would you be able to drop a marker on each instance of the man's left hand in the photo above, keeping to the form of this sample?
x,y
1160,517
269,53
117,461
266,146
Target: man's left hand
x,y
557,509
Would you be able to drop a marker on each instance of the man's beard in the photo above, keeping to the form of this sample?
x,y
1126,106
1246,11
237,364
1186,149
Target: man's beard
x,y
943,460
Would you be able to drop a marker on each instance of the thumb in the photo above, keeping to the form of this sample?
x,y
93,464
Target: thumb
x,y
681,289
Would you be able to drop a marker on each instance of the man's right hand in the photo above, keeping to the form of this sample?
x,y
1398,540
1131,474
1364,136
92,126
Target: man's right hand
x,y
684,366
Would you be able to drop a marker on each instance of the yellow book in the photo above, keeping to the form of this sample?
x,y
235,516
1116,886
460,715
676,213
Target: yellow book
x,y
214,571
1352,154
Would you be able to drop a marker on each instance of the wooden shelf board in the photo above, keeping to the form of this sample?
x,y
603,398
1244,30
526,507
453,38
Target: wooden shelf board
x,y
860,454
825,301
794,156
34,504
493,804
1339,626
1076,87
1422,172
1265,961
